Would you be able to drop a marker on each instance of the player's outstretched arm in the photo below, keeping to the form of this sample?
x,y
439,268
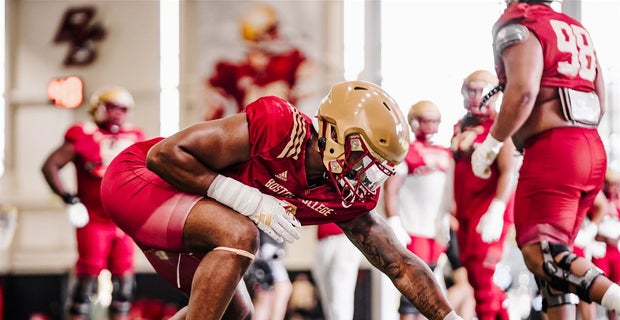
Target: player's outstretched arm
x,y
410,274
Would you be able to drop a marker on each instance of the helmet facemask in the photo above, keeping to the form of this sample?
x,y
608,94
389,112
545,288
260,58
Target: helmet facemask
x,y
353,168
424,119
472,98
476,90
362,136
109,107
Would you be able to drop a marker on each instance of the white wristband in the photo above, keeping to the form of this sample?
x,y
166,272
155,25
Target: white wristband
x,y
494,144
234,194
497,205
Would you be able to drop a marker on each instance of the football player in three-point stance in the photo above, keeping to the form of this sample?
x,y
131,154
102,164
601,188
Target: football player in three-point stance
x,y
194,201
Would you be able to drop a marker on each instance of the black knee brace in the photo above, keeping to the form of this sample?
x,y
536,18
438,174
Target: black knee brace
x,y
122,294
550,299
82,296
560,272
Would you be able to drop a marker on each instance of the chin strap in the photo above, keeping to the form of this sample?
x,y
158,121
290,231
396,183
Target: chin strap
x,y
489,95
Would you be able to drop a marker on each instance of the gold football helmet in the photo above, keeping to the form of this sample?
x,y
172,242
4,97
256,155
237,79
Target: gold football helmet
x,y
362,136
259,23
423,109
106,98
474,88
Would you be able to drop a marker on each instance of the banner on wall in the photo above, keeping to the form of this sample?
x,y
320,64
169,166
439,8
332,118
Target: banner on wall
x,y
250,49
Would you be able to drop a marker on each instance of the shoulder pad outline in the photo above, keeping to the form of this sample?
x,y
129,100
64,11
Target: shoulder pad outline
x,y
509,35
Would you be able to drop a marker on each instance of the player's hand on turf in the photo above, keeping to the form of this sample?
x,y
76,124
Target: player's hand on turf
x,y
276,219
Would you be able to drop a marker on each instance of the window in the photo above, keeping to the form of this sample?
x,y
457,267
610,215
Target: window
x,y
429,47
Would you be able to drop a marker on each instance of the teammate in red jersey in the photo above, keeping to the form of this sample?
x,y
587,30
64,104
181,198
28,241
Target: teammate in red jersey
x,y
484,207
553,101
418,198
91,146
272,66
193,201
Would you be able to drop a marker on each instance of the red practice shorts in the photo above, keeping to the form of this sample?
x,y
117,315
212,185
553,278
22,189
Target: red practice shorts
x,y
103,246
426,249
152,212
563,170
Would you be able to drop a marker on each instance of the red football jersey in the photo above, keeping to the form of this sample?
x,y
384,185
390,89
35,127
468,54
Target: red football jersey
x,y
233,78
569,55
94,150
423,159
472,194
279,136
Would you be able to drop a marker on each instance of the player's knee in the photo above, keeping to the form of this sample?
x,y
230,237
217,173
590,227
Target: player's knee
x,y
122,294
244,237
551,299
533,259
557,266
82,296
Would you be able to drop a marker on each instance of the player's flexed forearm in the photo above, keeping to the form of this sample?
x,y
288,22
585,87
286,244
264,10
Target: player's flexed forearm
x,y
411,276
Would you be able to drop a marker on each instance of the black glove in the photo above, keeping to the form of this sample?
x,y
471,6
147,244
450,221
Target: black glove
x,y
70,198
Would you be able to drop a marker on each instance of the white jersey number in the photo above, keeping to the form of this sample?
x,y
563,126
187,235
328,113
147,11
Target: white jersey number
x,y
575,40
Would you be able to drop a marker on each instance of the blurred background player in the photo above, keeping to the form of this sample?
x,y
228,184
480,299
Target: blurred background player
x,y
272,66
91,145
418,198
458,290
484,207
335,269
268,281
587,246
609,232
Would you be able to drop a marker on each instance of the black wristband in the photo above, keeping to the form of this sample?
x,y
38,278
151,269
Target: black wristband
x,y
70,199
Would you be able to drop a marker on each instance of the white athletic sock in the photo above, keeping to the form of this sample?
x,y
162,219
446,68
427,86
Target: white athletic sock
x,y
452,316
611,299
